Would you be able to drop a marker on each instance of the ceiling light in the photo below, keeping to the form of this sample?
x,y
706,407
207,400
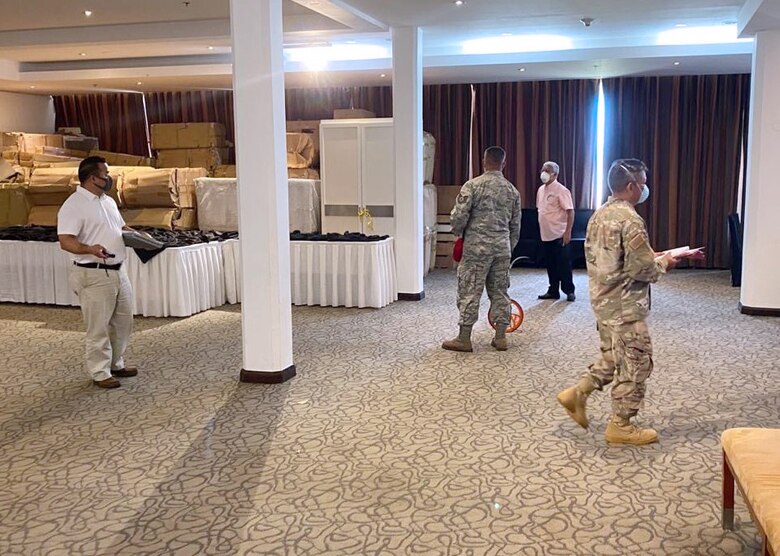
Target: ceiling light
x,y
139,83
210,47
458,2
713,34
677,63
517,43
82,53
32,86
382,75
88,13
520,69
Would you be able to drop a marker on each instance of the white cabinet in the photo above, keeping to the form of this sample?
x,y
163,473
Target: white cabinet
x,y
357,169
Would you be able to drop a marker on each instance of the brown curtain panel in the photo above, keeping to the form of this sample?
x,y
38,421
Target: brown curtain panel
x,y
536,121
117,120
689,130
447,115
316,104
192,106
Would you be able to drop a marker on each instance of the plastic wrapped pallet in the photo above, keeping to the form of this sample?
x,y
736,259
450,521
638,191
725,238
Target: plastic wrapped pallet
x,y
188,136
49,194
208,158
429,156
217,204
164,218
300,150
161,188
70,177
43,216
14,205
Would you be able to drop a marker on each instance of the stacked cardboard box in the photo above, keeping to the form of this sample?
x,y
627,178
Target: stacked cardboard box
x,y
445,239
162,198
121,159
192,145
14,205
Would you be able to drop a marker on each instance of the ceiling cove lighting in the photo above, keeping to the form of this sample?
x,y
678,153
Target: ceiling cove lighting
x,y
316,58
518,43
713,34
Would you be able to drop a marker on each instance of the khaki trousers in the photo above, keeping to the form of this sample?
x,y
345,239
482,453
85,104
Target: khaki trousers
x,y
106,299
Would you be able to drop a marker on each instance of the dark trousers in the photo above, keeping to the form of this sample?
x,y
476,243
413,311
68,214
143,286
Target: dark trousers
x,y
558,262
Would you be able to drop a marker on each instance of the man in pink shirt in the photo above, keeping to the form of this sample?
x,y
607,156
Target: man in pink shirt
x,y
556,216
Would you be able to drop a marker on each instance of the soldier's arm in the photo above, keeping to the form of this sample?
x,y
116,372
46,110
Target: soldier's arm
x,y
514,224
640,262
462,211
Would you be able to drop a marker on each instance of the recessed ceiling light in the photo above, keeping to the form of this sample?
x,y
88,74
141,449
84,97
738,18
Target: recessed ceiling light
x,y
677,63
382,75
210,47
32,86
139,82
82,53
88,13
520,69
458,2
681,25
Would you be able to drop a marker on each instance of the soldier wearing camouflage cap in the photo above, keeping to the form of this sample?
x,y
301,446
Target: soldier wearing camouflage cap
x,y
487,217
621,267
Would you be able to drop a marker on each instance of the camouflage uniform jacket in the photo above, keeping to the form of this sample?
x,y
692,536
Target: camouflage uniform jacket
x,y
487,215
621,263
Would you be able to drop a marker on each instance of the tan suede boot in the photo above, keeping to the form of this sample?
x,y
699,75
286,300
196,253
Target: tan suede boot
x,y
499,341
462,342
574,400
621,431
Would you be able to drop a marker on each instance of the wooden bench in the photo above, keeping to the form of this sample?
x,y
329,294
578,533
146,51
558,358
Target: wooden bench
x,y
751,458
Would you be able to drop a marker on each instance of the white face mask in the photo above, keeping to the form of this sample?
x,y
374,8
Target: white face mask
x,y
545,177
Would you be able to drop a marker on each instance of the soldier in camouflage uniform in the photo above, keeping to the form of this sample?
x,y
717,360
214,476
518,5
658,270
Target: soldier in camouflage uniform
x,y
621,267
487,217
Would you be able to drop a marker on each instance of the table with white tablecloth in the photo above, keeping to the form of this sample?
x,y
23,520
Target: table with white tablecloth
x,y
178,282
329,274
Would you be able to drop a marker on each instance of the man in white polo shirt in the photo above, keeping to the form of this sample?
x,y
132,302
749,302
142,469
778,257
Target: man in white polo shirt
x,y
90,227
556,217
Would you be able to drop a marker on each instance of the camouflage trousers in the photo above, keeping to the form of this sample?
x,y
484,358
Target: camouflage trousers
x,y
627,360
474,276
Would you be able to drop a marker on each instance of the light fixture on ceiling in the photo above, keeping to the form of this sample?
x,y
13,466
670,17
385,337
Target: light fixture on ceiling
x,y
587,21
32,86
88,13
382,75
82,53
677,63
139,83
458,2
516,43
520,69
210,48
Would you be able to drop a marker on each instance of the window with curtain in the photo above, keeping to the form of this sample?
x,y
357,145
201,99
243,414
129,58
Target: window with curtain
x,y
689,130
536,121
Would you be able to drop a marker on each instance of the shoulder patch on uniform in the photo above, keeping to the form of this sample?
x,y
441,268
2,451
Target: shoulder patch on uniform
x,y
462,198
637,240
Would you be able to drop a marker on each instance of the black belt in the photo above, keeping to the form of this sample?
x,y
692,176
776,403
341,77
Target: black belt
x,y
100,265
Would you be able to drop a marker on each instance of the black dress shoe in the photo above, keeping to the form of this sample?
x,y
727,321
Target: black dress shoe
x,y
549,295
570,297
124,373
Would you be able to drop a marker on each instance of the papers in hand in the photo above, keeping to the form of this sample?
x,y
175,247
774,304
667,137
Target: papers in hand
x,y
137,240
683,252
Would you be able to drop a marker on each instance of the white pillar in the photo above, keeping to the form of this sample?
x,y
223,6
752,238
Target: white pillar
x,y
761,260
407,123
258,89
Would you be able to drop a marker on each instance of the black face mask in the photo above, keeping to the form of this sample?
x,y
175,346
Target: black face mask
x,y
108,185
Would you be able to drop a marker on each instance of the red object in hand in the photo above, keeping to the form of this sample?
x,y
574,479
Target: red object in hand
x,y
457,250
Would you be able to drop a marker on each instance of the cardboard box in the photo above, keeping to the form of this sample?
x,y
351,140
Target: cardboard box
x,y
69,176
188,136
311,127
69,131
11,155
70,153
29,142
121,159
161,188
80,143
49,195
447,196
208,158
43,216
300,150
444,261
14,205
47,160
351,113
303,173
224,171
166,219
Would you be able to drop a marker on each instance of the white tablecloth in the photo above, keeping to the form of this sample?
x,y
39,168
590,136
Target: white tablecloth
x,y
329,274
179,282
304,200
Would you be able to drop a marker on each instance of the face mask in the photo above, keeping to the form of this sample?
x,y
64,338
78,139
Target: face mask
x,y
109,183
545,177
644,195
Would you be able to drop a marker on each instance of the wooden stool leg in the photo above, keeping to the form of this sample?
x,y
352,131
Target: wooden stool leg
x,y
728,496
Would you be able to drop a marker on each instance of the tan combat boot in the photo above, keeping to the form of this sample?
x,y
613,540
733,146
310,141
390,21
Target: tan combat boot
x,y
574,400
462,342
621,431
499,341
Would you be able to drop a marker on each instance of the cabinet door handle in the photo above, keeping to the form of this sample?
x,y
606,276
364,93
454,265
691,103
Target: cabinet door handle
x,y
363,212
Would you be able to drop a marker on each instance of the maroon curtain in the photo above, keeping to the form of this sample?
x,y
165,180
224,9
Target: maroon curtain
x,y
447,115
689,130
316,104
378,100
536,121
192,106
116,119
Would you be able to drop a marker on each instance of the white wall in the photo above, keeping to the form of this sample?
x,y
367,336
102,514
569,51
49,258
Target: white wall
x,y
29,113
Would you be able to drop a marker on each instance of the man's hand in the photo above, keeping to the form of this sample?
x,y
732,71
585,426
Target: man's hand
x,y
567,238
98,251
669,260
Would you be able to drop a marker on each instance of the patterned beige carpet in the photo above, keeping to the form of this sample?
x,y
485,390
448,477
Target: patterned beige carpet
x,y
383,444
